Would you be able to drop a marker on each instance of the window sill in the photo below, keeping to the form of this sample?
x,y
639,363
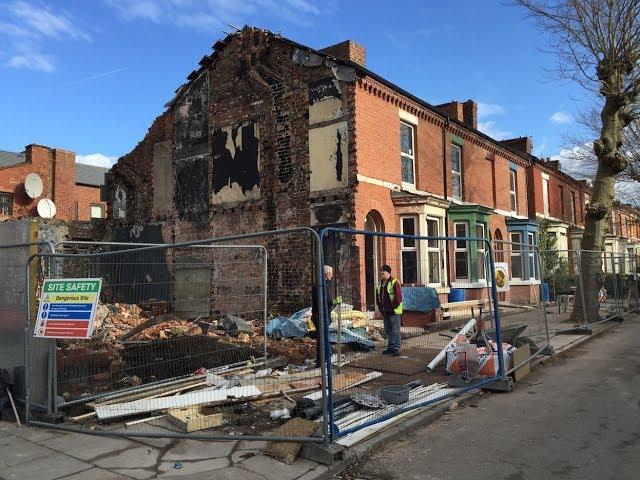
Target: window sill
x,y
518,281
476,284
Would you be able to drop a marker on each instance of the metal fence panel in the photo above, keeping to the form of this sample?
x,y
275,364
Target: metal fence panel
x,y
179,344
389,363
13,301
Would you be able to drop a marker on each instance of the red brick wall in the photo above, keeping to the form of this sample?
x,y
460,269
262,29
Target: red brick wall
x,y
86,196
57,169
556,180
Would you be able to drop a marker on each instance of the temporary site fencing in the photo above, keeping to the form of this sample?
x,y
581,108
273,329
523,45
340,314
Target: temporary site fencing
x,y
214,339
179,346
14,346
445,347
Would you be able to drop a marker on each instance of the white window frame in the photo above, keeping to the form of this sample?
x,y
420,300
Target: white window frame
x,y
513,189
573,207
411,156
415,248
545,194
431,249
97,205
456,173
457,249
518,254
480,249
531,238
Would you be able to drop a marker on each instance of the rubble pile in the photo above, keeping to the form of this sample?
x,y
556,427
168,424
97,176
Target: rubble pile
x,y
114,320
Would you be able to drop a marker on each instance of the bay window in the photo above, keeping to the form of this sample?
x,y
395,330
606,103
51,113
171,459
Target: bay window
x,y
480,252
461,250
517,267
409,251
433,250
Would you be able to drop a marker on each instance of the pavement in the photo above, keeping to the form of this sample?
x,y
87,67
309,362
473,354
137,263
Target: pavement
x,y
43,454
31,453
576,416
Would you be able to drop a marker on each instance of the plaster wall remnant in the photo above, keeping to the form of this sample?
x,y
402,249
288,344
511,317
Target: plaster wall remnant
x,y
163,181
119,205
325,101
236,163
191,119
328,156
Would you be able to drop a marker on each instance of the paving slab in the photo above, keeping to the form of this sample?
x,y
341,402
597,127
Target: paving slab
x,y
198,450
38,435
87,447
136,473
313,474
229,473
96,474
21,451
270,467
242,455
166,469
138,457
50,467
249,445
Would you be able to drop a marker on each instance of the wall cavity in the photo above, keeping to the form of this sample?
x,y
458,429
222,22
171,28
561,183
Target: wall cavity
x,y
236,163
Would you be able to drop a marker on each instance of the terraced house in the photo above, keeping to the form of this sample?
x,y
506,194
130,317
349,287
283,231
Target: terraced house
x,y
268,133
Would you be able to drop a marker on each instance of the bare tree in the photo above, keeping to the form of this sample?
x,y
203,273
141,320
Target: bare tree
x,y
597,45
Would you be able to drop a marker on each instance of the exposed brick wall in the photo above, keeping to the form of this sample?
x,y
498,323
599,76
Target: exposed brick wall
x,y
251,78
57,169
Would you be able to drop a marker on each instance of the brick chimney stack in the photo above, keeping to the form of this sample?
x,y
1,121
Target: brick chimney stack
x,y
347,50
466,112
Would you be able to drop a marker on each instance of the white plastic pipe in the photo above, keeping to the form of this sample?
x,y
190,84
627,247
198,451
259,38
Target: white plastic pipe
x,y
438,358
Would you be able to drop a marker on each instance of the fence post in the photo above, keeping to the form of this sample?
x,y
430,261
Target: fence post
x,y
635,278
581,287
615,282
494,295
544,306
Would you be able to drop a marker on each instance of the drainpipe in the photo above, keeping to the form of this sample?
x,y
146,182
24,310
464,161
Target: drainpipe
x,y
446,176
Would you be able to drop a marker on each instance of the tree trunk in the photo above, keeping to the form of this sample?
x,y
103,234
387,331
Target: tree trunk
x,y
610,164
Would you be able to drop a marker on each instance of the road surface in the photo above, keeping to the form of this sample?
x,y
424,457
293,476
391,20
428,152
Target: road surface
x,y
576,417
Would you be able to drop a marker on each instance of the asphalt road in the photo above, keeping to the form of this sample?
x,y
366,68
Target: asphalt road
x,y
576,417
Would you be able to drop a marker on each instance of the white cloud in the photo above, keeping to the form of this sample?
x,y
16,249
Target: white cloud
x,y
489,127
97,159
32,61
561,117
206,15
45,21
26,30
489,109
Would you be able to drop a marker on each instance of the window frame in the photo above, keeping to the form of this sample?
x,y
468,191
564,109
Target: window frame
x,y
513,189
434,249
561,197
408,249
102,209
411,156
457,173
519,253
8,204
464,249
481,250
545,196
573,207
531,256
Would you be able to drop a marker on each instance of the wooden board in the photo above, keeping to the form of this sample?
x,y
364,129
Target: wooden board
x,y
191,419
413,360
179,401
520,355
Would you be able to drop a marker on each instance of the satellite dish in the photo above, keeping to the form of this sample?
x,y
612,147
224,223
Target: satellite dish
x,y
33,185
46,208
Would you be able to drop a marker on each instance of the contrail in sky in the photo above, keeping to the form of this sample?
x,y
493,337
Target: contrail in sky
x,y
92,77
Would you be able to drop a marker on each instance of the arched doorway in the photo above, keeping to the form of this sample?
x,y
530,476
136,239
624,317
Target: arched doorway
x,y
373,255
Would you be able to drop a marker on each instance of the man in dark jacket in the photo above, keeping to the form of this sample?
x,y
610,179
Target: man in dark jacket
x,y
329,302
389,300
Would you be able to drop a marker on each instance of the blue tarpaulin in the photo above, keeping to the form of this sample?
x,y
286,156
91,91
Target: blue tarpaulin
x,y
294,326
420,299
354,336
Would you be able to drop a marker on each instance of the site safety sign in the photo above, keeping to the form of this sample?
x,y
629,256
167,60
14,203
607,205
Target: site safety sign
x,y
67,307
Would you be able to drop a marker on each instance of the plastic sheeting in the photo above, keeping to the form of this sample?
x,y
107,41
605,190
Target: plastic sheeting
x,y
420,299
294,326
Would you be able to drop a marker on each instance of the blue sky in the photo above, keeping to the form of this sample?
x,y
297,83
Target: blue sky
x,y
91,75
